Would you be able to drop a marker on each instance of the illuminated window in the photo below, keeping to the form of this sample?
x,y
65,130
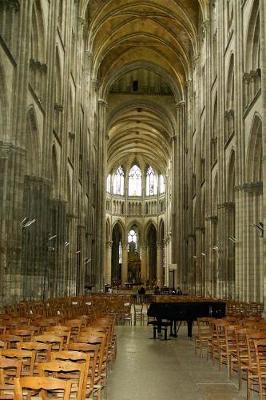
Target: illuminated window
x,y
108,184
132,239
134,181
118,183
162,184
151,182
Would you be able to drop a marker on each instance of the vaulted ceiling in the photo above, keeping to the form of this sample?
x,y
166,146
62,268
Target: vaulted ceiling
x,y
126,36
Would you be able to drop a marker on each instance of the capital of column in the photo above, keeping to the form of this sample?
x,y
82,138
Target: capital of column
x,y
102,102
109,244
180,104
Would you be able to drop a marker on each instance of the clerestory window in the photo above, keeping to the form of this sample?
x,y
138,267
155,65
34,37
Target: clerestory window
x,y
134,181
151,182
119,181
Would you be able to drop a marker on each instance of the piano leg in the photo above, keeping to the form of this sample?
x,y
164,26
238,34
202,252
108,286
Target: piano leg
x,y
173,331
189,328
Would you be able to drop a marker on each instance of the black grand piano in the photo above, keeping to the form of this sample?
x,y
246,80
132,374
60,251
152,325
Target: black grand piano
x,y
182,308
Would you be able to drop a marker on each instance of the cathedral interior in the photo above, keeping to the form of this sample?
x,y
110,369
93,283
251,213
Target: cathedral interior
x,y
131,148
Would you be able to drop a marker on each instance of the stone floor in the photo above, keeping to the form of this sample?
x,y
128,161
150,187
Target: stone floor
x,y
148,369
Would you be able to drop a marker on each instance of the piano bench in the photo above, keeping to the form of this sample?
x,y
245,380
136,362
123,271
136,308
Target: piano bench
x,y
159,326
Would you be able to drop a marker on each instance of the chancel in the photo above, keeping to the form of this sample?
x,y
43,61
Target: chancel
x,y
131,155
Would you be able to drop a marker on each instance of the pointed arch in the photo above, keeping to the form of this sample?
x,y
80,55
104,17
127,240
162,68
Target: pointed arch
x,y
254,153
38,37
252,62
121,226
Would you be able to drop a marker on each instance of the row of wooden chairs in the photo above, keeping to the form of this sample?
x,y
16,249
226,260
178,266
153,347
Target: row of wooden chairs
x,y
76,351
240,344
69,307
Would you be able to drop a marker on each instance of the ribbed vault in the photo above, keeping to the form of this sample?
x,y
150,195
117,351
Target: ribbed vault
x,y
130,35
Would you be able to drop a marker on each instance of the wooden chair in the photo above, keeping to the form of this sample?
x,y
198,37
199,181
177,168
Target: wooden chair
x,y
42,350
138,314
9,370
64,333
260,349
203,336
10,340
75,326
80,357
3,345
252,370
66,370
94,349
26,388
27,358
55,341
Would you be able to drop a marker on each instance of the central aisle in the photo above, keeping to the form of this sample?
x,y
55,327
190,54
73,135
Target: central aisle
x,y
148,369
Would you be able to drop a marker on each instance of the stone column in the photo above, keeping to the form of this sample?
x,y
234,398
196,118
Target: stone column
x,y
124,263
100,192
159,264
108,263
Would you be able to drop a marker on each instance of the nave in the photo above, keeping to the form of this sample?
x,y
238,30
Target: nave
x,y
157,369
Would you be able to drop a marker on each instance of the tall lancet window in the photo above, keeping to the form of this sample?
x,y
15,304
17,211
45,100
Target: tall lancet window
x,y
119,180
151,182
162,184
134,181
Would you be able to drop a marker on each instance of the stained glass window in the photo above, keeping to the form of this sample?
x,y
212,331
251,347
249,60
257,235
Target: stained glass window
x,y
134,181
151,182
118,182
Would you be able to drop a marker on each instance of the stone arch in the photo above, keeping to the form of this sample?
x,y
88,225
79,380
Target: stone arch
x,y
254,153
117,243
122,227
32,144
252,61
38,39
